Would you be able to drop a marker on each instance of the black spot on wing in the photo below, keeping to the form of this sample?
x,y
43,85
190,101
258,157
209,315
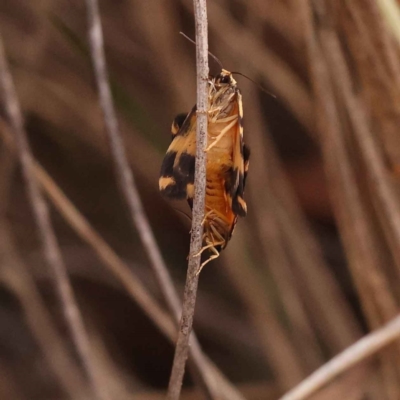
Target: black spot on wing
x,y
246,157
177,123
167,166
237,207
175,189
236,193
184,127
185,168
238,204
182,174
246,153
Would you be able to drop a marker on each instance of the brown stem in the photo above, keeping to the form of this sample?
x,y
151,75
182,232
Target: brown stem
x,y
359,351
189,297
49,241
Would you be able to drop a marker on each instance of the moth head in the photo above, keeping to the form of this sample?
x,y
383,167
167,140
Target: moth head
x,y
224,78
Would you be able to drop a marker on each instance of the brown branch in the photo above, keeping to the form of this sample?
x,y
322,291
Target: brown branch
x,y
129,190
189,296
49,241
356,353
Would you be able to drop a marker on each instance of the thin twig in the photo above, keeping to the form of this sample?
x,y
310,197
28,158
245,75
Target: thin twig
x,y
222,387
376,169
391,11
280,352
17,277
260,60
49,241
275,252
130,192
357,230
165,323
189,297
359,351
122,170
375,172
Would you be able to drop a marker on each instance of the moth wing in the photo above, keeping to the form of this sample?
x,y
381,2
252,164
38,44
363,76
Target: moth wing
x,y
177,170
240,161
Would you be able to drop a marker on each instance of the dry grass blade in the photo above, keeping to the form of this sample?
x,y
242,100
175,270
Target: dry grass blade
x,y
382,194
125,177
129,281
390,9
365,248
283,82
374,160
255,391
276,251
364,131
313,268
356,353
308,265
134,287
47,235
105,253
196,239
344,185
16,276
160,26
276,345
123,173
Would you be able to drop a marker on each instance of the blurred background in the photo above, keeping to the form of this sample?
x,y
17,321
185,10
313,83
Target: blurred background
x,y
313,267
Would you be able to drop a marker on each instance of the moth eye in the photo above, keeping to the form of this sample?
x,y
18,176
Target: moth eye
x,y
225,79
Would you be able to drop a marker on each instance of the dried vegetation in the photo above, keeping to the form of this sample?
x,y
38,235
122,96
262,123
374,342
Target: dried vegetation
x,y
312,269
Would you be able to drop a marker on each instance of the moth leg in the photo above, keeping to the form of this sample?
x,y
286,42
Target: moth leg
x,y
206,216
203,248
213,244
201,251
213,257
221,239
221,135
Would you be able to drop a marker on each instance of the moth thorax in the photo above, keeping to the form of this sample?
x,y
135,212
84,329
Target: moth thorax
x,y
221,103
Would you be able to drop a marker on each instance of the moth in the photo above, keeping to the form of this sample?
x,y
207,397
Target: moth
x,y
226,168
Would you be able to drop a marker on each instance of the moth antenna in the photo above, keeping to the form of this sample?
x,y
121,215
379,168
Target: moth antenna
x,y
211,54
256,83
